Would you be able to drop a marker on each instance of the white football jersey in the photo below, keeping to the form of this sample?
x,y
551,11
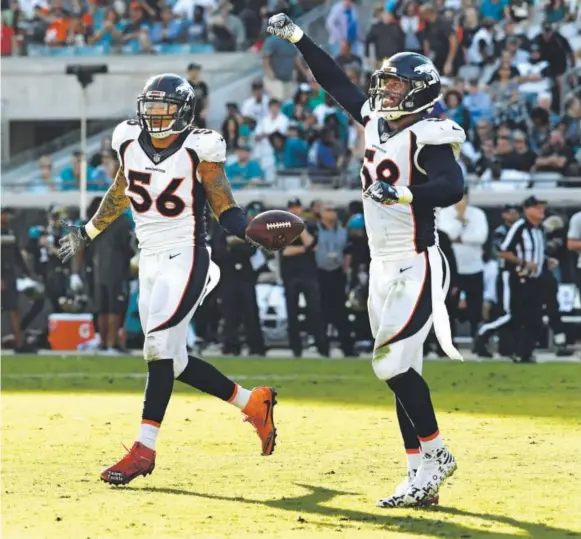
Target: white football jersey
x,y
399,231
167,199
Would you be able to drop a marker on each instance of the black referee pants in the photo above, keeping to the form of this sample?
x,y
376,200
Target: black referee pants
x,y
522,303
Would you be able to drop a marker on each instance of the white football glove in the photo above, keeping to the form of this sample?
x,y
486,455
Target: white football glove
x,y
386,194
76,240
282,26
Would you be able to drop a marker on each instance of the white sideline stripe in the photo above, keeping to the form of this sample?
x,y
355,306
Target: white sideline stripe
x,y
142,376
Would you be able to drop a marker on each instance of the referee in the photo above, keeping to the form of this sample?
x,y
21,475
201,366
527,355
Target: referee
x,y
522,259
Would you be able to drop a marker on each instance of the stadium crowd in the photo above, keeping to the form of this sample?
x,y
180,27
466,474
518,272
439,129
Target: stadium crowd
x,y
516,95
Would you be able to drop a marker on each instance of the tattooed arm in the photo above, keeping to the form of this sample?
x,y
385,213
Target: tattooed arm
x,y
219,195
112,206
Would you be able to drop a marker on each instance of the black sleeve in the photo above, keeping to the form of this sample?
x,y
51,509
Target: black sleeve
x,y
446,248
332,78
445,185
234,220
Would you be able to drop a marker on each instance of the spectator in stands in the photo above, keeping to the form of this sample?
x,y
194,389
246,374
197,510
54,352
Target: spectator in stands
x,y
556,10
59,20
343,25
483,132
570,123
275,121
478,102
102,176
299,101
326,155
554,49
231,126
186,8
412,26
518,11
110,33
522,158
280,58
71,174
504,82
440,41
503,152
467,228
136,32
7,38
486,158
79,33
512,44
244,171
197,28
296,150
46,182
227,29
201,90
544,101
387,38
481,50
534,75
250,17
277,141
493,9
317,96
38,24
456,110
256,107
346,57
540,129
168,30
556,155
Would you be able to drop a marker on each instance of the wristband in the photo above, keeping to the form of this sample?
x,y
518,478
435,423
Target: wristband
x,y
296,35
404,195
91,230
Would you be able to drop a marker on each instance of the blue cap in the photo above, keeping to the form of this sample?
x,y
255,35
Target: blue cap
x,y
356,222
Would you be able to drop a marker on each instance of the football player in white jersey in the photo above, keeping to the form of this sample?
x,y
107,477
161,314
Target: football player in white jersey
x,y
409,170
169,171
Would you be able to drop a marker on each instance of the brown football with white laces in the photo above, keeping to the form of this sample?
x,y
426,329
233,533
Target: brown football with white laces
x,y
275,229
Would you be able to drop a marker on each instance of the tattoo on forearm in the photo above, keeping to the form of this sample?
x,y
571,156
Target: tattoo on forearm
x,y
113,203
217,187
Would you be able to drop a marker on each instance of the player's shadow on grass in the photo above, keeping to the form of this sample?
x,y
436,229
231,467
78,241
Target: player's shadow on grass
x,y
417,522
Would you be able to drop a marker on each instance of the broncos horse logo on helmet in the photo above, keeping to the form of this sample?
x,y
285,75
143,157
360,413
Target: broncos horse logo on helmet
x,y
166,105
417,81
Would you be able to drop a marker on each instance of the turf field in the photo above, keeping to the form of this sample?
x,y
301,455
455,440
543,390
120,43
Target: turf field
x,y
514,429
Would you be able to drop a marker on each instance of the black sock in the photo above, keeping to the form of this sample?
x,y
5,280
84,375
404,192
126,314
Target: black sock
x,y
414,395
406,427
158,389
207,378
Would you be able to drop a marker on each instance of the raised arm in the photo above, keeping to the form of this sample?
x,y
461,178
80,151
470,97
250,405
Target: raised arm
x,y
327,72
112,206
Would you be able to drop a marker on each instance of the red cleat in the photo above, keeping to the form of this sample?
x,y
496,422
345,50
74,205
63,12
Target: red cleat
x,y
139,460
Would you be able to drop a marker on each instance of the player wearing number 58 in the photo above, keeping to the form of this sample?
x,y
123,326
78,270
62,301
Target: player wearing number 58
x,y
409,170
169,171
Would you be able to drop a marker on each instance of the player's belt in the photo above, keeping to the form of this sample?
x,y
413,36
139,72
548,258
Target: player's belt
x,y
440,313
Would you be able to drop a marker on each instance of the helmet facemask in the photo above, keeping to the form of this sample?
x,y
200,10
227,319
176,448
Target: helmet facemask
x,y
162,116
392,96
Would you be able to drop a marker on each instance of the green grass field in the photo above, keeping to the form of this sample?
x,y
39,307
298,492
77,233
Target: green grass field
x,y
514,429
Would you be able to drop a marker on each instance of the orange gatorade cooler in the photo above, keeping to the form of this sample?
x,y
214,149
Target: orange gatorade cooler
x,y
66,331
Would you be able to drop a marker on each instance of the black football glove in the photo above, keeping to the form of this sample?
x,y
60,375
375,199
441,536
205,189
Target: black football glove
x,y
383,193
282,26
74,242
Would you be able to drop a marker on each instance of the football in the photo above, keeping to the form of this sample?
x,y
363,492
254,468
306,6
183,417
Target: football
x,y
274,229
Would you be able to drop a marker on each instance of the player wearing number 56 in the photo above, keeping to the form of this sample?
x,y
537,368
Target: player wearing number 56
x,y
169,171
409,169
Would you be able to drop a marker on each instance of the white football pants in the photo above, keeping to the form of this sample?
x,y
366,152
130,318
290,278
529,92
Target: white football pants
x,y
402,301
172,284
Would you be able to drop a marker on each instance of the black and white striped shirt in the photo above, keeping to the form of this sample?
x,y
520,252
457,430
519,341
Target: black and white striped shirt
x,y
528,243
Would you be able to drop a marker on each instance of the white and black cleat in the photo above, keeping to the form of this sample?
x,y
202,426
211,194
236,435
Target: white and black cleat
x,y
435,468
397,499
